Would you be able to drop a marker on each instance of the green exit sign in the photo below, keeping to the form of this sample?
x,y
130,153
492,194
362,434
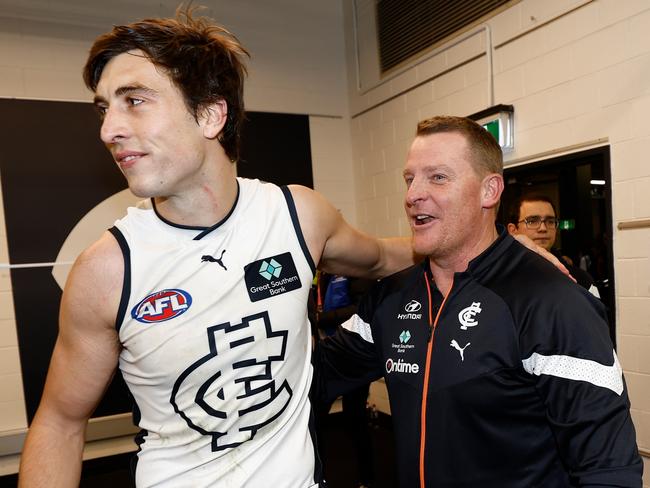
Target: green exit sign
x,y
493,128
498,121
567,224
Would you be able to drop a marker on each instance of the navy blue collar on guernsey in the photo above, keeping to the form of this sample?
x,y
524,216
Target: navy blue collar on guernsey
x,y
203,231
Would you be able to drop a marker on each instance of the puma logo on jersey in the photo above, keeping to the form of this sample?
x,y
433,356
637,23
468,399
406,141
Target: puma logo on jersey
x,y
219,260
461,350
231,392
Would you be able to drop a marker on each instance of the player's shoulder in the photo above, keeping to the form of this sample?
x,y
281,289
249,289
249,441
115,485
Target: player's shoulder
x,y
313,210
104,250
100,266
308,200
93,289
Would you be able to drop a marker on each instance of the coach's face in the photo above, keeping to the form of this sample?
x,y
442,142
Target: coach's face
x,y
445,201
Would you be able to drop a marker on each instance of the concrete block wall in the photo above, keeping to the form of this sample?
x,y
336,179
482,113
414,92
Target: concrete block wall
x,y
578,75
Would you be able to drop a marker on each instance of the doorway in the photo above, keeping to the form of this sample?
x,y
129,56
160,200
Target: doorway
x,y
579,184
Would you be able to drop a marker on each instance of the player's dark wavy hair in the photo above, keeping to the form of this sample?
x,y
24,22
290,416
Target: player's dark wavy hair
x,y
204,60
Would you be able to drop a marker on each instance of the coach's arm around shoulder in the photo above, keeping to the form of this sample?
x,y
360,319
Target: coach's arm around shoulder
x,y
342,249
83,363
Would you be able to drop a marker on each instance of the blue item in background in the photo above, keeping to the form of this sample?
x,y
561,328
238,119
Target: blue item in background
x,y
337,294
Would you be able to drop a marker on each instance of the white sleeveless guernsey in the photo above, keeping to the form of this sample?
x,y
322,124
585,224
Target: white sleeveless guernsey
x,y
217,345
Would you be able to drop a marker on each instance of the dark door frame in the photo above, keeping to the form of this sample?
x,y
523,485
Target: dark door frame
x,y
553,170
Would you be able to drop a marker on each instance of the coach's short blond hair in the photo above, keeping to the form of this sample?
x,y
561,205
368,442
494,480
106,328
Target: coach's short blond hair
x,y
485,153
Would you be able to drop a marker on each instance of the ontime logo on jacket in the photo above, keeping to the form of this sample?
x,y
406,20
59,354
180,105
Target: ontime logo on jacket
x,y
401,366
161,306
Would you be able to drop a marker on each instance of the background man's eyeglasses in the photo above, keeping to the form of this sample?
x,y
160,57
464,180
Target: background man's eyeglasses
x,y
534,221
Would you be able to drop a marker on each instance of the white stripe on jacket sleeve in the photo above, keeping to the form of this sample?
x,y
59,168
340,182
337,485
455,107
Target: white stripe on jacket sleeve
x,y
571,368
357,325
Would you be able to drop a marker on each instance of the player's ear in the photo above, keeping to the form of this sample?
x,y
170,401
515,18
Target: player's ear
x,y
212,118
491,190
512,229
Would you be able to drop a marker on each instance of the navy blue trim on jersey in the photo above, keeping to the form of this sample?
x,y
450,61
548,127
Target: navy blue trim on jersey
x,y
126,284
203,229
296,224
319,475
139,437
172,224
218,224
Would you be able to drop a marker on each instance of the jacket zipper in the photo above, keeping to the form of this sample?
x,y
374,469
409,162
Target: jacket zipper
x,y
423,412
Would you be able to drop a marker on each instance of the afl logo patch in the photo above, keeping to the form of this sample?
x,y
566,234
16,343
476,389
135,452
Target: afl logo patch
x,y
161,306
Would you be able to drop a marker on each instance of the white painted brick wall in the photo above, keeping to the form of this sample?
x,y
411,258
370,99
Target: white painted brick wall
x,y
332,171
449,83
642,197
632,243
509,85
468,101
419,97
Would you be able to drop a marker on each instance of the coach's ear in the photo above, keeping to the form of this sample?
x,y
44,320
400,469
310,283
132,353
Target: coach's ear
x,y
491,190
212,118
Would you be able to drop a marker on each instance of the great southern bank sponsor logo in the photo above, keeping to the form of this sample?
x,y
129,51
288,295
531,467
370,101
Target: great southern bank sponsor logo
x,y
405,336
161,306
271,269
411,309
403,345
271,276
400,366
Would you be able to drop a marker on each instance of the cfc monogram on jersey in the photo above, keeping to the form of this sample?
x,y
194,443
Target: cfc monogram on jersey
x,y
205,388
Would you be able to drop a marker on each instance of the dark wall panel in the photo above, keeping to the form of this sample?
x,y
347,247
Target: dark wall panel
x,y
54,170
276,148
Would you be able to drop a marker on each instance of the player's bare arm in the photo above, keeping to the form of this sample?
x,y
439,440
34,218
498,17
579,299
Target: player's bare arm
x,y
342,249
82,365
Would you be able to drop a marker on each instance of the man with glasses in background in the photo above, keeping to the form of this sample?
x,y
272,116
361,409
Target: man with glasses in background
x,y
534,215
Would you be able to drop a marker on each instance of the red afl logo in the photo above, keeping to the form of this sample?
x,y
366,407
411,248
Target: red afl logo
x,y
162,305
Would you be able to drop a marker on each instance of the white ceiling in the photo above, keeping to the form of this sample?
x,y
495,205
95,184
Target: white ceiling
x,y
84,12
99,13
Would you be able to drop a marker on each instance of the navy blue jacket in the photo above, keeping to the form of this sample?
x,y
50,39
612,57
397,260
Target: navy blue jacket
x,y
509,381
